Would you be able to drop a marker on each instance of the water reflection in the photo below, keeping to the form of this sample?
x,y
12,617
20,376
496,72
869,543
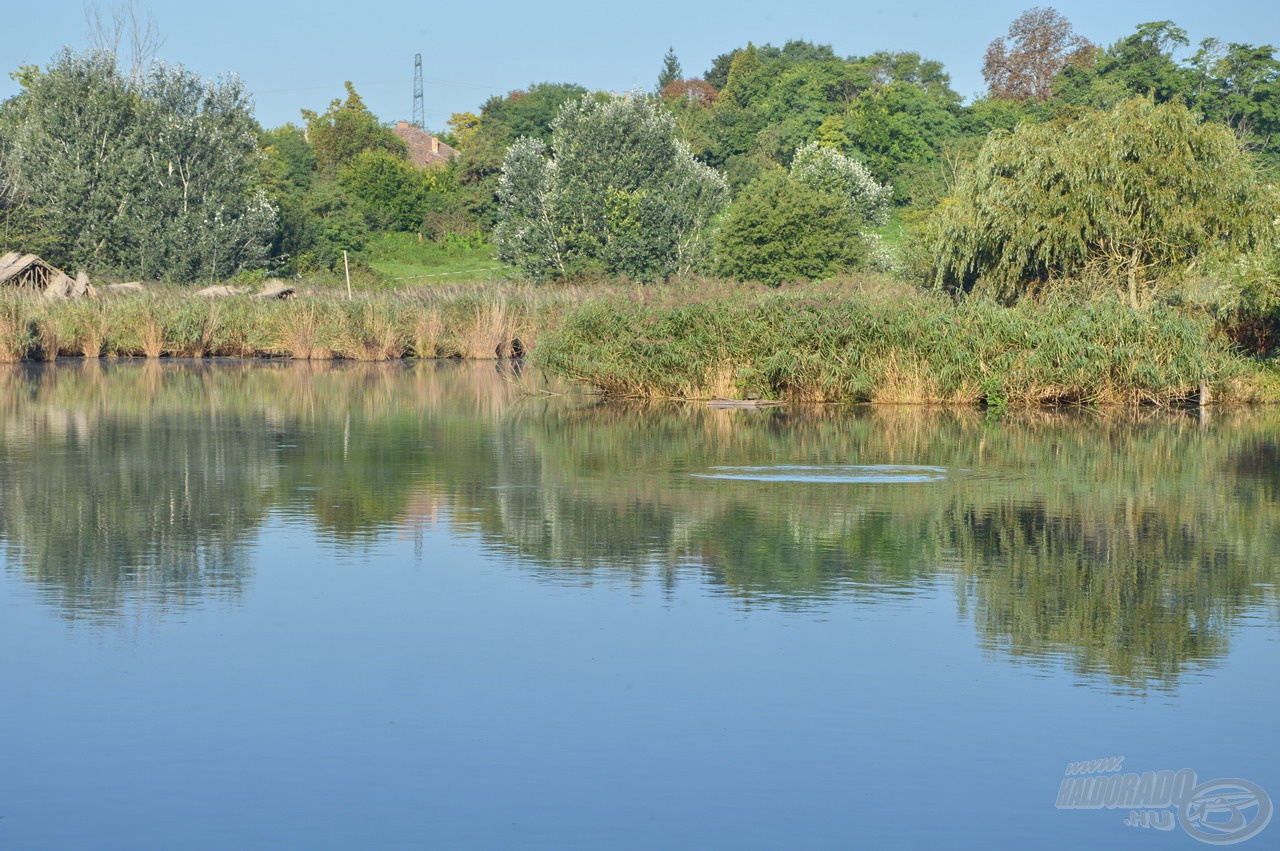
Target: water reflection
x,y
1126,547
868,474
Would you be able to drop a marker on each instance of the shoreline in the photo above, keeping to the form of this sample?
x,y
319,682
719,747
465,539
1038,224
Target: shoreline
x,y
865,341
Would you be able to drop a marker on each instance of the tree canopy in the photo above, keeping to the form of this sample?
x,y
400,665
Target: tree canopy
x,y
154,176
1040,43
1130,196
616,192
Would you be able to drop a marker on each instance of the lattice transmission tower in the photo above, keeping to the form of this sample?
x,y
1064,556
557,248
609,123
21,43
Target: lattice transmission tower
x,y
419,111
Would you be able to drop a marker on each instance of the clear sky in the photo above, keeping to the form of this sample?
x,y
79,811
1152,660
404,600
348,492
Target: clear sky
x,y
297,55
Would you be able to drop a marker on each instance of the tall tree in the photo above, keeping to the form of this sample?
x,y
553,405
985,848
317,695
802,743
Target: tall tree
x,y
671,71
346,129
1022,65
1132,196
1240,84
156,178
618,192
503,119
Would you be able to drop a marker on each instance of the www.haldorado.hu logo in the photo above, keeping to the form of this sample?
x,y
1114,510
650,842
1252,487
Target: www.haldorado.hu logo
x,y
1219,812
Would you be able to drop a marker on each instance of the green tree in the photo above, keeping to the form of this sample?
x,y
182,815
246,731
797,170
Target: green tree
x,y
826,169
811,223
396,194
780,230
1131,196
1142,63
502,120
616,192
1239,85
346,129
289,161
746,79
898,125
157,177
671,71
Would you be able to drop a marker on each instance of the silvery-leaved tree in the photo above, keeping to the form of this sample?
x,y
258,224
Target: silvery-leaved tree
x,y
616,192
824,168
154,177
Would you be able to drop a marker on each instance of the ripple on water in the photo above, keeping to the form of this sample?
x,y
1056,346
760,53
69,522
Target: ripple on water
x,y
872,474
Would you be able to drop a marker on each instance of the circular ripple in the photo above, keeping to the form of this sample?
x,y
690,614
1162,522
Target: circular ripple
x,y
874,474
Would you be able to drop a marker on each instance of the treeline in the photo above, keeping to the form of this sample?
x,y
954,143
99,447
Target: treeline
x,y
776,164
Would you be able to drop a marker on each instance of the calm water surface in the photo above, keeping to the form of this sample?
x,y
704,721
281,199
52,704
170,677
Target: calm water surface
x,y
299,606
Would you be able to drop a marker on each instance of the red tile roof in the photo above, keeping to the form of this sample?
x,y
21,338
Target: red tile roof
x,y
424,149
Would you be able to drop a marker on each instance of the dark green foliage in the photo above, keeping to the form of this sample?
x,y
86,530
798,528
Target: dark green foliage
x,y
526,113
289,160
616,193
780,230
396,195
346,129
892,111
154,176
671,71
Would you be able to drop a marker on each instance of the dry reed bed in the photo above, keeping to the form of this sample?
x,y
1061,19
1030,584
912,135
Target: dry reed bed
x,y
468,322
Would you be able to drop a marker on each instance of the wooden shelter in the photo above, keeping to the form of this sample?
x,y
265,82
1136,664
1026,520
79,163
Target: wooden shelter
x,y
28,272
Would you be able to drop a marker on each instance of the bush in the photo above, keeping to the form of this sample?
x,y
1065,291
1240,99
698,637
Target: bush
x,y
813,223
780,229
827,169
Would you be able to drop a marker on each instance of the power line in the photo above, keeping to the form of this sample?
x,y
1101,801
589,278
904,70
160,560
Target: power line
x,y
397,82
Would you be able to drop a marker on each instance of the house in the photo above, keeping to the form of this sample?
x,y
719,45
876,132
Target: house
x,y
424,149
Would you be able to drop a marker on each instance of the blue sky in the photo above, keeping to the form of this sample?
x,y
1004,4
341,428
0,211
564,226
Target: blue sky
x,y
296,55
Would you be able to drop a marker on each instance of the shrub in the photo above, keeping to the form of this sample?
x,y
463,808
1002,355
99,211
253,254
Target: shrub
x,y
827,169
780,229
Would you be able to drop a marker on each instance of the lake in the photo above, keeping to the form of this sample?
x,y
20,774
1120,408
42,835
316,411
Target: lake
x,y
281,604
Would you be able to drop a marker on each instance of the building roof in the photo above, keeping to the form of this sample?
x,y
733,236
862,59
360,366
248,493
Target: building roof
x,y
424,149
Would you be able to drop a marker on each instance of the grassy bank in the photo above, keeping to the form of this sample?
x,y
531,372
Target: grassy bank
x,y
865,340
905,346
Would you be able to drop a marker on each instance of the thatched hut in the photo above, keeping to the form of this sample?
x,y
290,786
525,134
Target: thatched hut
x,y
29,272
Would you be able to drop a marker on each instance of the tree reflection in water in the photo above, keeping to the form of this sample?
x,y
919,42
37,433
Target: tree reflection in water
x,y
1123,545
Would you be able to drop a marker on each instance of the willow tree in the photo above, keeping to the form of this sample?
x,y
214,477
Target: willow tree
x,y
1132,197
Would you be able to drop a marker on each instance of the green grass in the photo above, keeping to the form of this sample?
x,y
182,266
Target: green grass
x,y
402,260
893,233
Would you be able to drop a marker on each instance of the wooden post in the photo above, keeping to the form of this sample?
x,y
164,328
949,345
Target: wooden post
x,y
346,268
